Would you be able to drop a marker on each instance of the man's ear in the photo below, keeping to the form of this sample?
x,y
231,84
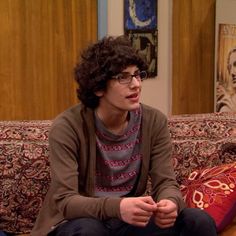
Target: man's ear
x,y
99,93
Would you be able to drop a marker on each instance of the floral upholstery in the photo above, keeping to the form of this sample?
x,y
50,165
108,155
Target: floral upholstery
x,y
202,140
24,172
199,141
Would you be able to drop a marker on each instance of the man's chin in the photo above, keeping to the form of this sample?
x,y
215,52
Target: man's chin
x,y
134,107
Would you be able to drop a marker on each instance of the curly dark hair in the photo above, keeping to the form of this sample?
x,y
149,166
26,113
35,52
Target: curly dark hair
x,y
99,62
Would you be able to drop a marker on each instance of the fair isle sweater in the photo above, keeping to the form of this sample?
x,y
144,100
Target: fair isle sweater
x,y
72,143
118,157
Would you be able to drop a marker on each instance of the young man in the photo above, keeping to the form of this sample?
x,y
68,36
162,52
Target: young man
x,y
102,152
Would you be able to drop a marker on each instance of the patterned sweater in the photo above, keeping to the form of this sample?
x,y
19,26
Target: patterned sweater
x,y
118,157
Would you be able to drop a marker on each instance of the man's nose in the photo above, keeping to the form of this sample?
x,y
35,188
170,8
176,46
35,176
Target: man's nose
x,y
136,79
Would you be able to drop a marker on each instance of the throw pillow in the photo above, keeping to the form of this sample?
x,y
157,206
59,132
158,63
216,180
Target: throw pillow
x,y
213,190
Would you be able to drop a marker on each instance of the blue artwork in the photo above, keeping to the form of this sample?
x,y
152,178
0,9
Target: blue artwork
x,y
140,14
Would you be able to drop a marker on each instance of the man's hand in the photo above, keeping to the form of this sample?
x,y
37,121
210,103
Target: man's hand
x,y
165,214
137,210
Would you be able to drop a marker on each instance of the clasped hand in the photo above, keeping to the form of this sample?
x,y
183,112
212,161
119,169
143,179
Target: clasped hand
x,y
137,211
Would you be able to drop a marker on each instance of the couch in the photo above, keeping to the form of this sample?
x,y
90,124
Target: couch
x,y
204,158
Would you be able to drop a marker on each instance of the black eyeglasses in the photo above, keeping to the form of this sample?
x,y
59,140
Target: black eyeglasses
x,y
126,77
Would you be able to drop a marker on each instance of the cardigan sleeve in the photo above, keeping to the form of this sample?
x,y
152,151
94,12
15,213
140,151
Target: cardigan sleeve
x,y
164,184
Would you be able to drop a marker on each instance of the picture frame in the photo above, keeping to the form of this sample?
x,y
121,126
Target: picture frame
x,y
225,83
146,43
140,15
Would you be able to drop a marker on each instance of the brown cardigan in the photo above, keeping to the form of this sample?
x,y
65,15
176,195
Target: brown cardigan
x,y
73,160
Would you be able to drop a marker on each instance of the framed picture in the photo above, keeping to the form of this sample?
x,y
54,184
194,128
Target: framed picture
x,y
140,14
225,94
146,43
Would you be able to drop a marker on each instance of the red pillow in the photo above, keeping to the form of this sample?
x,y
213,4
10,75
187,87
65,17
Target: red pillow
x,y
213,190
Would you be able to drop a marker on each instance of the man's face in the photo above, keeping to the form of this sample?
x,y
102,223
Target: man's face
x,y
121,97
232,68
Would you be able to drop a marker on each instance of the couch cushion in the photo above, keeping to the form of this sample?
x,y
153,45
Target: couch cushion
x,y
24,173
202,140
213,190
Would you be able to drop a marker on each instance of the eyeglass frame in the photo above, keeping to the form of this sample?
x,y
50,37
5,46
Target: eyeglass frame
x,y
136,75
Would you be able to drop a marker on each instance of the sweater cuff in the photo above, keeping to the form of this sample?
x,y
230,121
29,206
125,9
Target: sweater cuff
x,y
112,206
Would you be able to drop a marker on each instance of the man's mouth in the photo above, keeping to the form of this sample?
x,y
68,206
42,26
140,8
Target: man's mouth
x,y
133,95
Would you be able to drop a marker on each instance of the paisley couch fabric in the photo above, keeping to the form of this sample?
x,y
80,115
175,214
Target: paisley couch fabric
x,y
204,156
199,141
202,140
24,172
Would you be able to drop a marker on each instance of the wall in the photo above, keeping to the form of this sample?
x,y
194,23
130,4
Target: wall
x,y
156,92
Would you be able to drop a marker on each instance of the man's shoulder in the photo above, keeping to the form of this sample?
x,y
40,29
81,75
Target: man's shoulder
x,y
73,116
69,112
151,111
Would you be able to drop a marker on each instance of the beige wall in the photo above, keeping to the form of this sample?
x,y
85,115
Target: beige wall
x,y
156,92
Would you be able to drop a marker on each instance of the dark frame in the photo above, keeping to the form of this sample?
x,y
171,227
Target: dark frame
x,y
146,43
140,25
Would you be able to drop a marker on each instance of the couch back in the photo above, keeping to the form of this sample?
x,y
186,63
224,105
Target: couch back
x,y
202,140
198,141
24,173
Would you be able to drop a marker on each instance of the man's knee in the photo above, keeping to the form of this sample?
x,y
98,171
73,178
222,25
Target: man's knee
x,y
196,220
195,215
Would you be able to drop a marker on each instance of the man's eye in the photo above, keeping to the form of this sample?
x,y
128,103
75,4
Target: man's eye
x,y
124,76
121,77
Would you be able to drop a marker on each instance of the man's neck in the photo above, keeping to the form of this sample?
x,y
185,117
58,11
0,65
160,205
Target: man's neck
x,y
115,123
